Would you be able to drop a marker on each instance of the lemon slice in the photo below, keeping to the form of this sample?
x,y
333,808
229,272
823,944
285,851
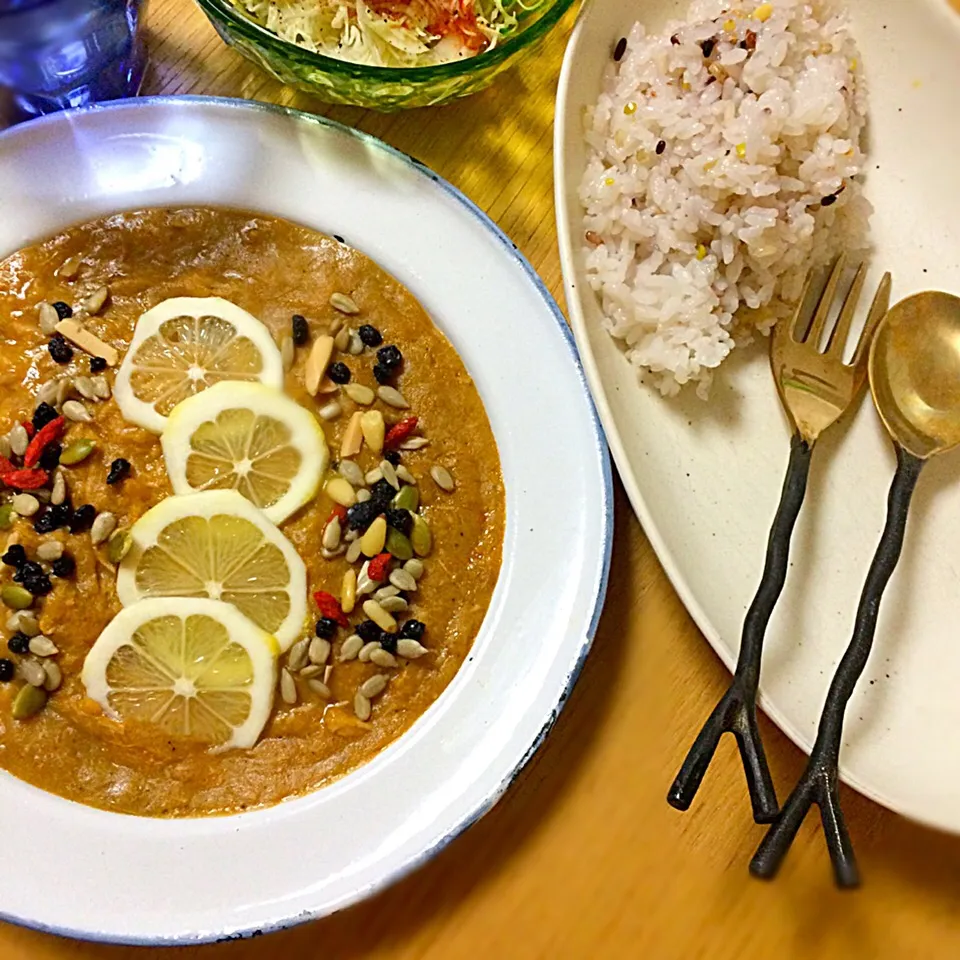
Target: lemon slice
x,y
186,344
193,668
218,545
249,438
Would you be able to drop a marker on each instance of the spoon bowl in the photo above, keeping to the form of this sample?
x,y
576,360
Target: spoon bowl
x,y
915,373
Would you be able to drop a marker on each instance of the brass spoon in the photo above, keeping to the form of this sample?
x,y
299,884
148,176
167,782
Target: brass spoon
x,y
914,374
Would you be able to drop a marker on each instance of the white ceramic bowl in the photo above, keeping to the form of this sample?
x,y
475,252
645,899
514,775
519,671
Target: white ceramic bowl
x,y
119,878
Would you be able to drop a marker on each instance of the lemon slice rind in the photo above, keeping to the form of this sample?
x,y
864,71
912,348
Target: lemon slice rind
x,y
145,414
206,506
259,646
305,437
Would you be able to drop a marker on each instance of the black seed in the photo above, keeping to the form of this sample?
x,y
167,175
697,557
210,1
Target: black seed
x,y
97,364
43,415
39,586
301,331
413,630
361,515
61,514
6,670
338,238
382,374
661,146
370,336
18,643
392,456
46,522
828,201
339,373
15,556
707,46
400,520
50,458
60,350
83,518
389,642
381,495
326,628
675,40
28,570
64,310
620,49
390,356
64,566
119,470
369,632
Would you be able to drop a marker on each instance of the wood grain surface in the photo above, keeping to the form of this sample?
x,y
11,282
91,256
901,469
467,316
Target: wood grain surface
x,y
583,858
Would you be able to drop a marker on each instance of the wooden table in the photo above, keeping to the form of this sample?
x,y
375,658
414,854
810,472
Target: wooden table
x,y
583,858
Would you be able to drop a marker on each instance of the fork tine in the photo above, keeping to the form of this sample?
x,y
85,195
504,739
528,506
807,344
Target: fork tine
x,y
878,309
826,301
837,341
791,326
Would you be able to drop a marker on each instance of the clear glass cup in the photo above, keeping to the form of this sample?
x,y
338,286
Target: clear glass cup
x,y
56,54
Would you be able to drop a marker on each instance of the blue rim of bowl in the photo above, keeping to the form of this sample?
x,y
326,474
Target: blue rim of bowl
x,y
513,252
223,10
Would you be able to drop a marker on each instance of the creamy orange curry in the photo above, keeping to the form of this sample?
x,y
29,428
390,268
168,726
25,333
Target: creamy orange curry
x,y
275,270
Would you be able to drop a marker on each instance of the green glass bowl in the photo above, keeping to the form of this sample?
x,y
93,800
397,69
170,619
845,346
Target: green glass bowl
x,y
380,88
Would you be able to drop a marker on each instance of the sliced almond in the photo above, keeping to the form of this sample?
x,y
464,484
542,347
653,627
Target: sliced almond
x,y
373,427
352,437
317,363
87,342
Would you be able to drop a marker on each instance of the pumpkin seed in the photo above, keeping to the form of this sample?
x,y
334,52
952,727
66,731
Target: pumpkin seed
x,y
288,687
32,672
297,657
319,651
320,688
348,591
398,545
102,527
50,550
19,440
119,545
374,429
16,597
54,676
6,516
351,647
392,397
383,658
48,318
358,393
389,474
58,493
340,491
41,646
403,580
410,649
351,473
77,452
330,411
371,543
374,686
441,477
101,387
361,706
25,504
48,392
287,352
407,499
421,539
345,304
379,616
414,568
76,411
30,701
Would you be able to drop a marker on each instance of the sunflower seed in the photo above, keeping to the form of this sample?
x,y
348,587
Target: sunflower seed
x,y
374,686
345,304
331,534
54,676
358,393
32,672
342,340
384,592
410,649
69,268
85,388
363,496
288,687
327,671
48,318
42,646
50,550
364,584
351,473
389,474
320,688
102,527
392,397
379,616
76,411
415,443
330,411
353,551
48,392
59,492
441,477
373,476
311,670
332,554
361,707
352,535
19,440
405,475
394,604
297,657
287,352
319,651
25,622
64,389
403,580
382,658
356,345
350,648
25,504
101,387
414,567
367,650
94,303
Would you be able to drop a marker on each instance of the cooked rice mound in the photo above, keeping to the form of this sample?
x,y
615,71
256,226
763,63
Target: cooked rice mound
x,y
722,163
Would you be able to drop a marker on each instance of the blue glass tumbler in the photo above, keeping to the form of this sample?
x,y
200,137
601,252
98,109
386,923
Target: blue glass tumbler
x,y
56,54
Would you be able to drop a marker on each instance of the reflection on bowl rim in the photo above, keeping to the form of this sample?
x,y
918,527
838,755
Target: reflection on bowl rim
x,y
225,10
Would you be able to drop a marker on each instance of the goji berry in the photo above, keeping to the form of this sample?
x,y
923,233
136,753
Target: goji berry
x,y
329,606
29,427
41,440
379,567
338,511
6,466
25,479
399,432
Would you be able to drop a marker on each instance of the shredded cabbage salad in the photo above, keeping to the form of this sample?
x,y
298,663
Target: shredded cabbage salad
x,y
391,33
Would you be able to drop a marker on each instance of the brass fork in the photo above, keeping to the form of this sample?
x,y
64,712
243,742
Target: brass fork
x,y
815,387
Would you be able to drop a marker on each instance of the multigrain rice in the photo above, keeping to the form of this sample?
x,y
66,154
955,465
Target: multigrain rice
x,y
722,157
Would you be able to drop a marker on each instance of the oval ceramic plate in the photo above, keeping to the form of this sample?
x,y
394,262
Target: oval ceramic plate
x,y
111,877
704,478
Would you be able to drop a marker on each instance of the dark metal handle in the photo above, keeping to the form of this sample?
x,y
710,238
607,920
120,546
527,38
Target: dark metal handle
x,y
736,712
819,781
